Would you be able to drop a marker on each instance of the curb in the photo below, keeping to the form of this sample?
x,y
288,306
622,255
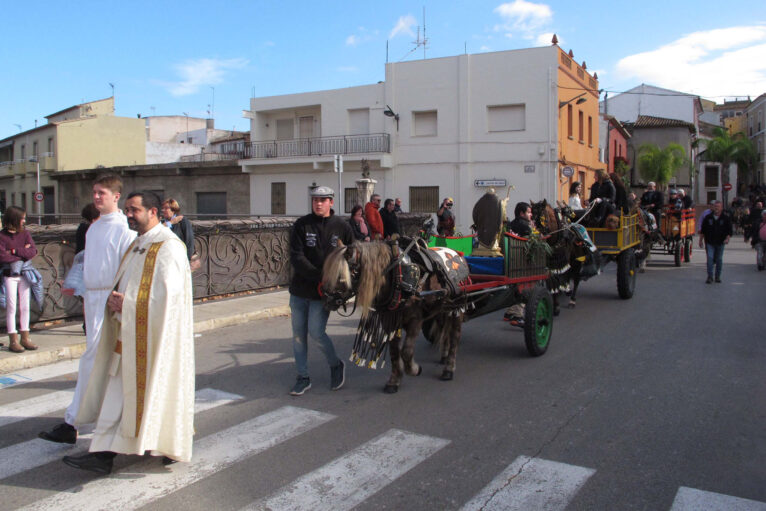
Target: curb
x,y
42,357
74,351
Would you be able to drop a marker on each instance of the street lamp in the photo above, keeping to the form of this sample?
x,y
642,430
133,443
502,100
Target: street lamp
x,y
388,112
580,100
35,159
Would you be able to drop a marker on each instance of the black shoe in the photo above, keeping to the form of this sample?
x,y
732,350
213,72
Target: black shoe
x,y
98,462
718,279
168,461
337,375
301,386
709,280
63,434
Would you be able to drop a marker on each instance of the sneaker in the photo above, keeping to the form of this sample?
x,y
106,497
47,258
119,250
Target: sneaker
x,y
709,280
301,385
718,279
517,321
337,375
63,434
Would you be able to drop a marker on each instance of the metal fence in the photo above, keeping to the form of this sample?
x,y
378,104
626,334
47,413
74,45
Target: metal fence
x,y
237,255
347,144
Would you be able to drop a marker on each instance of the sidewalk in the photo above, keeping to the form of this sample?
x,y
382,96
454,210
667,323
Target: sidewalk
x,y
68,342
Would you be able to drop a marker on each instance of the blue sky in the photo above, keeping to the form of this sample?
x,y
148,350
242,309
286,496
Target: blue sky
x,y
165,58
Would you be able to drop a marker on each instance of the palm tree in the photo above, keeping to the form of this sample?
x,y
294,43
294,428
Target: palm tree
x,y
660,165
727,149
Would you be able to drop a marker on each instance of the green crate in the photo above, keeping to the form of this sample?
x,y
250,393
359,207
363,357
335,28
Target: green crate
x,y
462,244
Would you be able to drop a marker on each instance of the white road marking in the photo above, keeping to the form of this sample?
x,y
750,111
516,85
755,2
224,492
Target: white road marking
x,y
688,499
347,481
531,483
146,481
35,407
39,373
33,453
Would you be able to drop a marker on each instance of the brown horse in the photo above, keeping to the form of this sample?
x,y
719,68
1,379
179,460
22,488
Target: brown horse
x,y
369,271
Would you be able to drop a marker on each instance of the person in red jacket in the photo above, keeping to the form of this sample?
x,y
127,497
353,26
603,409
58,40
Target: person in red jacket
x,y
374,220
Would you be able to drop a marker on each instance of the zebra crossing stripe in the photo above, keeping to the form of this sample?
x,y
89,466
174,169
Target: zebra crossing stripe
x,y
35,407
688,499
531,483
24,456
39,373
349,480
146,481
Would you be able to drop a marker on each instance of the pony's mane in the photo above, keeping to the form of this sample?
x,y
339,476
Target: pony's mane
x,y
373,257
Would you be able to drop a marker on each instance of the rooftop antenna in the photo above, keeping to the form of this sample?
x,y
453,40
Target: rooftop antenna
x,y
419,41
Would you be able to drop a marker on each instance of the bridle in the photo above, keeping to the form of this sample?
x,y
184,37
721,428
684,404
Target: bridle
x,y
337,299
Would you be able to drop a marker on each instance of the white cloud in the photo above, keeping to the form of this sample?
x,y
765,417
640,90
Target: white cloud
x,y
352,40
713,63
484,47
523,15
403,26
362,35
198,73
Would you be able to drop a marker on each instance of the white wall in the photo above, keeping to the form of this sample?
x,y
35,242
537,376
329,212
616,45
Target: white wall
x,y
649,100
160,152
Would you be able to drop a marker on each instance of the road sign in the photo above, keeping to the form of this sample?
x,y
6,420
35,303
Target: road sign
x,y
479,183
39,196
727,186
567,171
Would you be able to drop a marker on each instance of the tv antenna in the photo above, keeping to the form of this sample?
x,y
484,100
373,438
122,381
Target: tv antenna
x,y
420,41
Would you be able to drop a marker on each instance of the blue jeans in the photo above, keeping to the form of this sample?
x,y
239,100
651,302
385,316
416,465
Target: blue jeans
x,y
714,257
309,317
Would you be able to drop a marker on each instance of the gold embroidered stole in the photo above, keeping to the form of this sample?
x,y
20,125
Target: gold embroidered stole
x,y
142,329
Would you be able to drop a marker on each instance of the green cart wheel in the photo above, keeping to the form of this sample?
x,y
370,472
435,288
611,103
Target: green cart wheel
x,y
538,321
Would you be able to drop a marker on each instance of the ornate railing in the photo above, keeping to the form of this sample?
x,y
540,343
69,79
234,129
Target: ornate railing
x,y
237,256
347,144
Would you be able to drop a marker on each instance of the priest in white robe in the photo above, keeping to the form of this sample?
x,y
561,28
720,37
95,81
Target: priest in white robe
x,y
107,240
141,390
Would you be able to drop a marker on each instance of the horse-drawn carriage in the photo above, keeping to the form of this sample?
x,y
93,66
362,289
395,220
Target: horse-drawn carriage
x,y
677,227
404,287
622,245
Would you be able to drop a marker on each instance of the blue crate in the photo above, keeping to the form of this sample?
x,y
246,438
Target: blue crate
x,y
485,265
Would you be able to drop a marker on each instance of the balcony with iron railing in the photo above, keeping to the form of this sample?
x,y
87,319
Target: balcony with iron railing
x,y
318,146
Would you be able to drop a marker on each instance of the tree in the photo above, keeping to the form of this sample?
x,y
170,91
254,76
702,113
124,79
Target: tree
x,y
660,165
727,149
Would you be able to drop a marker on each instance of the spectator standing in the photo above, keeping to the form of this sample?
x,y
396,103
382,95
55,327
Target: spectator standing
x,y
359,224
179,224
16,250
89,215
761,242
446,218
398,205
716,231
390,220
312,238
371,214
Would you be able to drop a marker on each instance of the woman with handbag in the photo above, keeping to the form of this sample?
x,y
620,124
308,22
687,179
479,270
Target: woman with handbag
x,y
16,250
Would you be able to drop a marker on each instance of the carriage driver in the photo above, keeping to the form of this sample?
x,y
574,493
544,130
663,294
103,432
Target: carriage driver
x,y
522,225
312,238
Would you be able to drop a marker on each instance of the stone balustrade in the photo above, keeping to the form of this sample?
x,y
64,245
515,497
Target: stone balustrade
x,y
236,256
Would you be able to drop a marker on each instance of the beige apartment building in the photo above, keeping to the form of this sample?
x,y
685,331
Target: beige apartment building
x,y
84,136
755,114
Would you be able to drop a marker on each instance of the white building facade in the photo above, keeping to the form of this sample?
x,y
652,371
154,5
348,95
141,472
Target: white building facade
x,y
435,128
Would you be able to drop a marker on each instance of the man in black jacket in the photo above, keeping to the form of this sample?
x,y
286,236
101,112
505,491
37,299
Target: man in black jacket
x,y
312,238
716,230
390,220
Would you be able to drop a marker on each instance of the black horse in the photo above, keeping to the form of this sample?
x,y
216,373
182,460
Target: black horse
x,y
572,259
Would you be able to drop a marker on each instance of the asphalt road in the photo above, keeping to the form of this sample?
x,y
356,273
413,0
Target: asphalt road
x,y
636,404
